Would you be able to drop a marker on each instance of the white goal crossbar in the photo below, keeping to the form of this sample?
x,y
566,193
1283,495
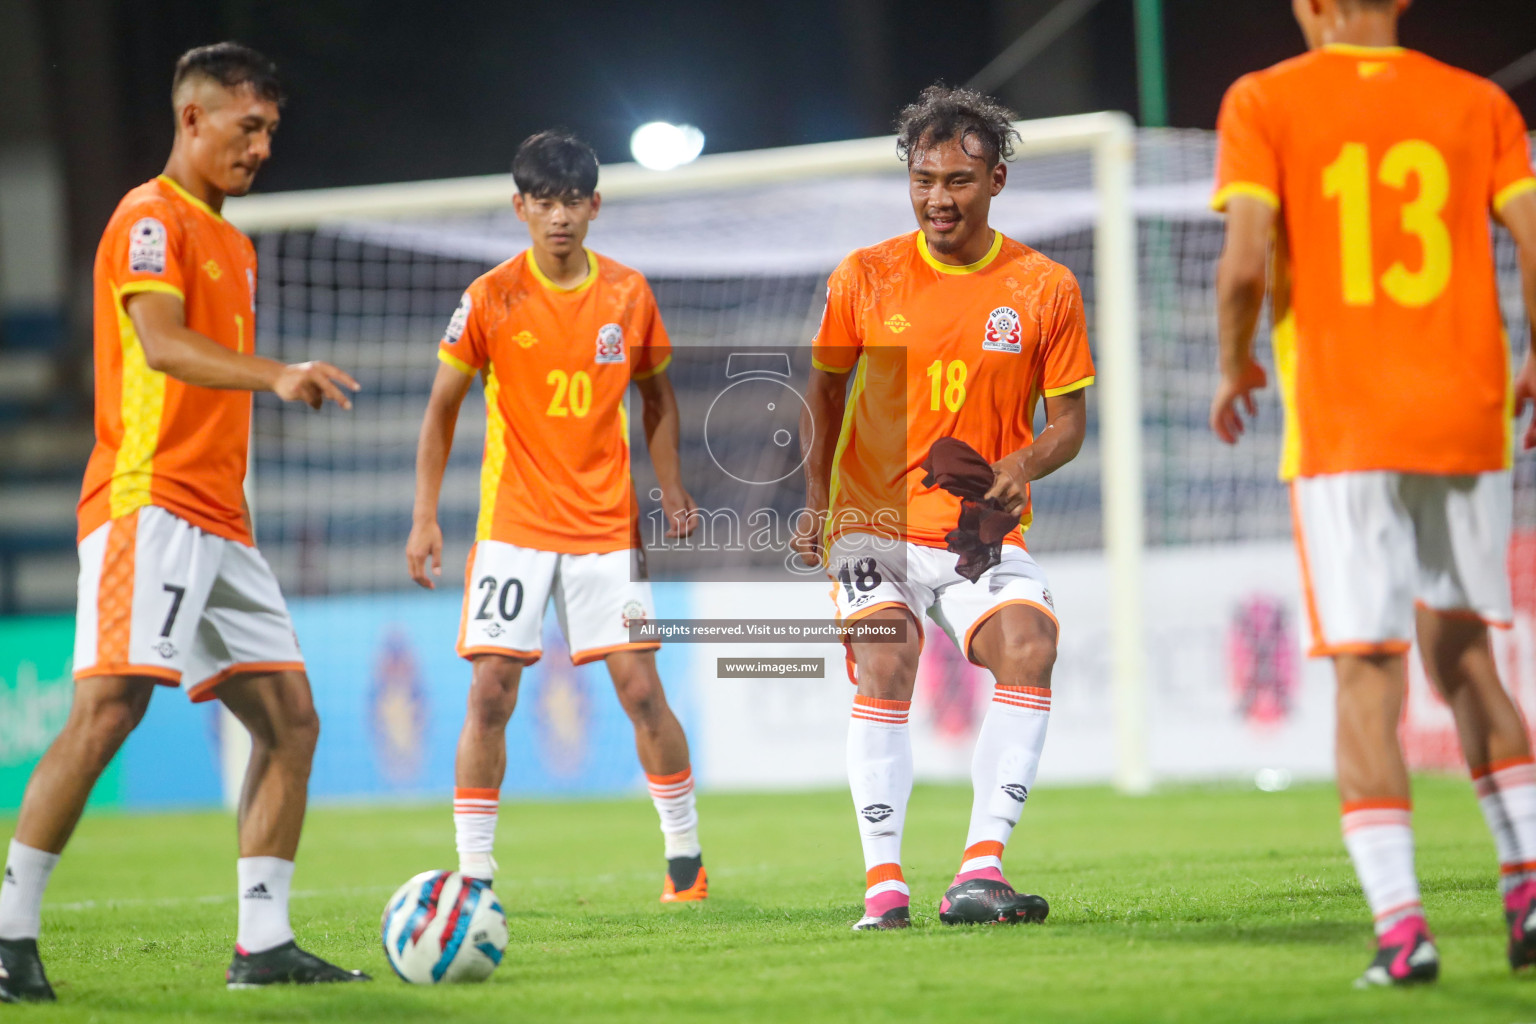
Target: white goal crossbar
x,y
1107,138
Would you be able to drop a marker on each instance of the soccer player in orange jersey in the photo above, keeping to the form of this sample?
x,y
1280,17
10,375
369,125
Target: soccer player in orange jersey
x,y
557,333
957,332
1375,169
172,590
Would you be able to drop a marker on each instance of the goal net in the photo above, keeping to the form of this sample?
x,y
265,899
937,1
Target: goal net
x,y
737,248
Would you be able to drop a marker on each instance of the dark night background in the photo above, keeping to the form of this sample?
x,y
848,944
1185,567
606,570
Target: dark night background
x,y
389,91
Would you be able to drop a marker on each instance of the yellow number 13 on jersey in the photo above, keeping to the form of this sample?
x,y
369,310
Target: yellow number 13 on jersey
x,y
1348,179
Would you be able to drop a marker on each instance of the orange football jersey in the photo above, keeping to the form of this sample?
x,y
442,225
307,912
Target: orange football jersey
x,y
941,351
1384,165
158,441
557,363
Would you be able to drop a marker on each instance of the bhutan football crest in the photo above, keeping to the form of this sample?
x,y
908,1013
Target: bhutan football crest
x,y
1004,333
610,344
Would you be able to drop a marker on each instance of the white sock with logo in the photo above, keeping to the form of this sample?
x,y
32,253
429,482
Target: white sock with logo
x,y
21,894
1003,771
880,779
265,883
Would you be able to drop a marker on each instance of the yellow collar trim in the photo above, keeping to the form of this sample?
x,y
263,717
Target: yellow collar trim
x,y
1351,50
188,196
586,282
950,268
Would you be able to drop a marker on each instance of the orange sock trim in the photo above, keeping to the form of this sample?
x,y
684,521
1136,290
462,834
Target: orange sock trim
x,y
466,793
882,873
1033,691
986,848
670,780
1498,766
883,705
1377,804
1411,905
1517,869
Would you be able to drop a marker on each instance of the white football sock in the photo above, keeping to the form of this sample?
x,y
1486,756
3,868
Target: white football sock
x,y
21,893
1003,769
1506,792
265,883
673,797
1379,837
474,829
880,778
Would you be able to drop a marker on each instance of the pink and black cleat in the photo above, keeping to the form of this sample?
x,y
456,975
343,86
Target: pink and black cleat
x,y
1405,955
984,897
1520,912
885,912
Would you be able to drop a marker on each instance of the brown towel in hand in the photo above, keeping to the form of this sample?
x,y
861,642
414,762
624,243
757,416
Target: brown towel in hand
x,y
978,537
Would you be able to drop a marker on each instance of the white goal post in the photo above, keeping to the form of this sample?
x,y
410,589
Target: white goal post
x,y
1107,139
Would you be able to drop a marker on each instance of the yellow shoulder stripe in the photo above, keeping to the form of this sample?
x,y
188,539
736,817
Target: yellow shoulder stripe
x,y
1509,192
653,371
824,368
134,287
454,361
1245,188
1067,389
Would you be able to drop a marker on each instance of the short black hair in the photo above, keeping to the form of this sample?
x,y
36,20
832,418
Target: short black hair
x,y
231,65
943,112
554,164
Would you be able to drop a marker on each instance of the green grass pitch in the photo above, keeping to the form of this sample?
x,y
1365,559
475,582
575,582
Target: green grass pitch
x,y
1195,904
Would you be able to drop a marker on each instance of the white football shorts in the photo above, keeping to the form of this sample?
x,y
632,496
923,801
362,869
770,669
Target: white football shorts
x,y
869,573
1374,544
161,598
507,588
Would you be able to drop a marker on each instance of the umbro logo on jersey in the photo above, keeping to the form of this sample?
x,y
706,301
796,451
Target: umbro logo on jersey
x,y
898,323
213,270
1016,791
610,344
1003,333
258,892
525,339
877,812
1372,68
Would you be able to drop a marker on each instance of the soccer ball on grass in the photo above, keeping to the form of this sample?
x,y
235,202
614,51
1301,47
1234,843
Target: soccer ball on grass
x,y
443,927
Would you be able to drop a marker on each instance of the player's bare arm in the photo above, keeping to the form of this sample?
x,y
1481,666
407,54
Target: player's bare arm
x,y
1519,216
1241,280
1066,424
172,348
660,419
826,396
426,541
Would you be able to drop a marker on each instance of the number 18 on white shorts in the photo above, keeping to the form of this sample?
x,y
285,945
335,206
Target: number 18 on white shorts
x,y
507,588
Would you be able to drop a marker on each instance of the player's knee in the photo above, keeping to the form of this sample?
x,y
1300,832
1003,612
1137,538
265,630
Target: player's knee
x,y
642,698
1026,659
105,724
293,729
493,691
888,668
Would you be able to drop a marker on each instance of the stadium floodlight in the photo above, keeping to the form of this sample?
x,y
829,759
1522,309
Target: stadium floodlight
x,y
661,146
